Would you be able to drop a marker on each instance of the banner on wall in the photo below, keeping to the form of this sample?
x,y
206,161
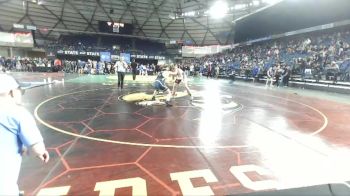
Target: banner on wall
x,y
143,56
22,39
78,53
126,57
200,51
7,39
105,57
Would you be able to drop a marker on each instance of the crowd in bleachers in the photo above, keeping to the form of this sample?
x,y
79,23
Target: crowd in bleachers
x,y
24,64
115,45
100,67
69,66
319,56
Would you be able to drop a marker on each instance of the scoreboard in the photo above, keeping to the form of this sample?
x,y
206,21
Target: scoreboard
x,y
115,27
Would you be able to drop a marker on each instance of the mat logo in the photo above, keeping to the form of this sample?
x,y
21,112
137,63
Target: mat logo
x,y
225,103
144,99
139,185
151,103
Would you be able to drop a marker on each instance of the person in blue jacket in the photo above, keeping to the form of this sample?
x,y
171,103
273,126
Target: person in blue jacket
x,y
159,85
18,132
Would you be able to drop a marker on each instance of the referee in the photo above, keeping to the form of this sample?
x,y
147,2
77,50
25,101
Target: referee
x,y
121,67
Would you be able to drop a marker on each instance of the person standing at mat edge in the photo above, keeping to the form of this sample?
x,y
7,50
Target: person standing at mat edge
x,y
120,68
18,132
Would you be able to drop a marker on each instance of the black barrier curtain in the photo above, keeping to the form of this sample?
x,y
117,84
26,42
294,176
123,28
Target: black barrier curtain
x,y
75,58
146,61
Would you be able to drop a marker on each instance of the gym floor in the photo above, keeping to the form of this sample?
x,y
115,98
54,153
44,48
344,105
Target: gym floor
x,y
233,138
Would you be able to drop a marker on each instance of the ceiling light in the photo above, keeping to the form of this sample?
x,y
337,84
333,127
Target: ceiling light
x,y
271,1
218,10
256,3
239,6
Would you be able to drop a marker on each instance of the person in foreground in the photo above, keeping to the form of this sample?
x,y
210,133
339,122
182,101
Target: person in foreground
x,y
18,133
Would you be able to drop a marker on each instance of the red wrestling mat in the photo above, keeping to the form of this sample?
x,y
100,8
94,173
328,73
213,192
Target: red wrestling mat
x,y
228,140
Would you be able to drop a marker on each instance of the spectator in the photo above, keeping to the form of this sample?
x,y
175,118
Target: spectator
x,y
217,71
270,76
134,69
285,76
334,71
18,132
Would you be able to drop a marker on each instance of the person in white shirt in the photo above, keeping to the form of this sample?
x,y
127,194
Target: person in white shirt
x,y
121,67
270,76
140,68
217,71
18,65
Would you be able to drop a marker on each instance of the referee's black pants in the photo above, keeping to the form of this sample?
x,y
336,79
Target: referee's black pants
x,y
134,73
121,76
